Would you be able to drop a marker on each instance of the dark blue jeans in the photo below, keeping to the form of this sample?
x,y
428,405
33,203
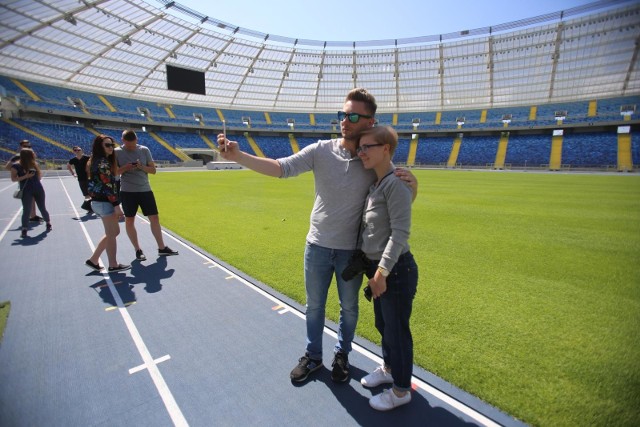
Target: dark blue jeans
x,y
392,313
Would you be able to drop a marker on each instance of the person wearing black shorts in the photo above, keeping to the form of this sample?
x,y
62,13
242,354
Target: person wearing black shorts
x,y
134,166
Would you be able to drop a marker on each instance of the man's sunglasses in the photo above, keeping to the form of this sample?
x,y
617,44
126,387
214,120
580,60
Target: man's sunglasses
x,y
353,117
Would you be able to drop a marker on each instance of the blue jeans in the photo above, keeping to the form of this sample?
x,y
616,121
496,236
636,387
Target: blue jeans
x,y
320,264
392,312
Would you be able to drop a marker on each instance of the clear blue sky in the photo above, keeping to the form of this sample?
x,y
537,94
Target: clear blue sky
x,y
359,20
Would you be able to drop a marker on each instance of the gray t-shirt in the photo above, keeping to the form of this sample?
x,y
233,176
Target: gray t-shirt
x,y
387,221
135,180
341,185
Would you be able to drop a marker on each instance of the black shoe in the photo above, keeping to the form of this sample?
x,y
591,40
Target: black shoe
x,y
48,226
140,255
167,251
120,267
306,365
23,233
96,267
36,219
340,365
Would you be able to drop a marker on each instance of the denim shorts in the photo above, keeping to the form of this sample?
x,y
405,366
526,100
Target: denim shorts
x,y
102,209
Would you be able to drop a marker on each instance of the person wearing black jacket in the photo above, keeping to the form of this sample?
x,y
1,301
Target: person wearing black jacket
x,y
79,163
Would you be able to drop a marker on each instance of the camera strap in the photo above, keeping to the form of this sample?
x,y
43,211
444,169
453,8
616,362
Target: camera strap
x,y
362,212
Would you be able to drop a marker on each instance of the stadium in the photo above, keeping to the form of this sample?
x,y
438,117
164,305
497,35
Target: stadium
x,y
540,110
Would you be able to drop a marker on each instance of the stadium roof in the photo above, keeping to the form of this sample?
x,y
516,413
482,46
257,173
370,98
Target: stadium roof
x,y
122,47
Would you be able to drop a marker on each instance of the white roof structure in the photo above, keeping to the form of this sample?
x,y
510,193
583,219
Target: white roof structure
x,y
122,47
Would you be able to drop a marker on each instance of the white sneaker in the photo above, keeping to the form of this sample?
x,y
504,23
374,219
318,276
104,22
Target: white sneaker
x,y
388,400
377,377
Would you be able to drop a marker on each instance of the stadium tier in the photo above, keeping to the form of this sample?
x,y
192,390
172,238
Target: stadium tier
x,y
580,148
33,97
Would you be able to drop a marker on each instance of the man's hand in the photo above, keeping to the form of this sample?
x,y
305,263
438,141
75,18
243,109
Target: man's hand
x,y
229,150
409,178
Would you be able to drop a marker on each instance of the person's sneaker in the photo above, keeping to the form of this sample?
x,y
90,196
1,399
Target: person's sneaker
x,y
377,377
120,267
167,251
140,255
340,367
23,233
48,226
388,400
36,218
93,266
306,365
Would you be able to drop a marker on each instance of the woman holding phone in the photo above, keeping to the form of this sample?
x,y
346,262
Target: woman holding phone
x,y
105,201
27,172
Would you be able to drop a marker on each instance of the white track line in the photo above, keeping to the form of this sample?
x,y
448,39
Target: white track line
x,y
149,363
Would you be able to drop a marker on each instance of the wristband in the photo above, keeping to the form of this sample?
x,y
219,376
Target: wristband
x,y
383,271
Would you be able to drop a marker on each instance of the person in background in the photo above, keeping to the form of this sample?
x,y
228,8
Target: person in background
x,y
105,202
134,166
392,271
27,172
33,217
79,163
341,185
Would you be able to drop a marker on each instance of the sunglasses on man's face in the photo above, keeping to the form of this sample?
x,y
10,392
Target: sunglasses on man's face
x,y
353,117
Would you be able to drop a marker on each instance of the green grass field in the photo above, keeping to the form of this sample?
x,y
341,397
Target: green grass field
x,y
529,290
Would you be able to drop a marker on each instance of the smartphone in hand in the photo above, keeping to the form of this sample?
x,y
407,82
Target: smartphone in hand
x,y
224,132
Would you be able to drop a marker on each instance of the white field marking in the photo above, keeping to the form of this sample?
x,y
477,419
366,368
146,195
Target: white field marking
x,y
169,402
12,185
10,223
451,401
142,367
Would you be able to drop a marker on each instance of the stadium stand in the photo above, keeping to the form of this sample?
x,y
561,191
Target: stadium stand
x,y
528,150
478,150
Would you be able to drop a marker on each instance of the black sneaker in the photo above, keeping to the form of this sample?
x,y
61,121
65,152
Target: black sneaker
x,y
340,365
167,251
140,255
93,266
23,233
120,267
306,365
